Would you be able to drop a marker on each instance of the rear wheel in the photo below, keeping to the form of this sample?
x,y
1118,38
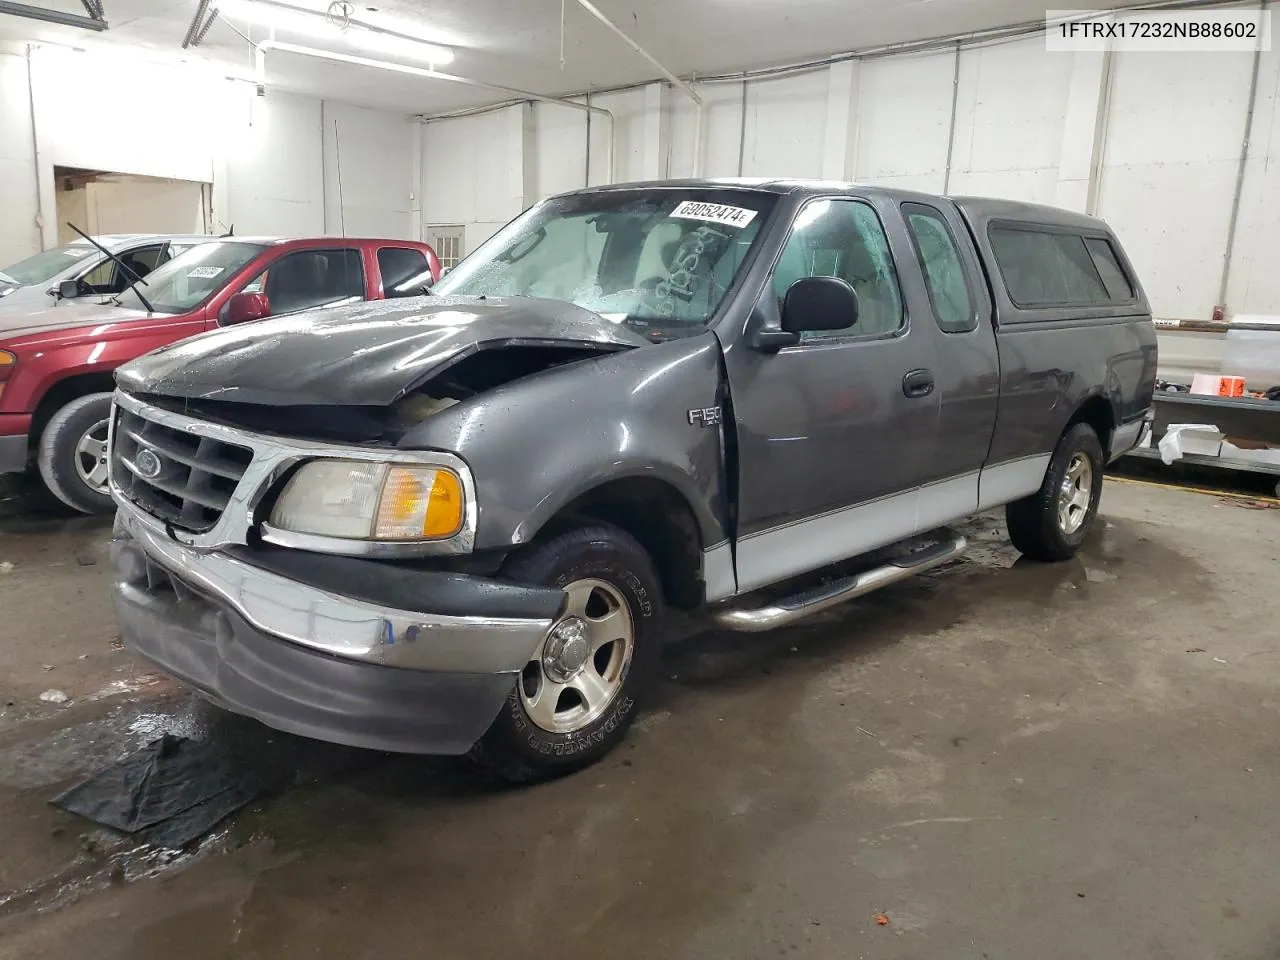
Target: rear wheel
x,y
579,692
1051,524
73,454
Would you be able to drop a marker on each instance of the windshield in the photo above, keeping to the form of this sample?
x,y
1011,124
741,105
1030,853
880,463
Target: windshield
x,y
44,266
187,281
658,260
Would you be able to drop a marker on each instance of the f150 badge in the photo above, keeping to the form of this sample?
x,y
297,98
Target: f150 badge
x,y
704,417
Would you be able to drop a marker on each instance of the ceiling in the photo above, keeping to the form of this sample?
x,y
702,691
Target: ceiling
x,y
517,43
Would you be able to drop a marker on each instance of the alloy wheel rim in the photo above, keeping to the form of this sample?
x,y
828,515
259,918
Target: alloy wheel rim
x,y
91,458
1075,494
578,669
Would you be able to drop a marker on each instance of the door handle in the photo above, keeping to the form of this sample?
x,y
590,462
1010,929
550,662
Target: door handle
x,y
917,383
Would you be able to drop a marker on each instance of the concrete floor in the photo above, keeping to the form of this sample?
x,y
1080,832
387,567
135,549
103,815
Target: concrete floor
x,y
1006,760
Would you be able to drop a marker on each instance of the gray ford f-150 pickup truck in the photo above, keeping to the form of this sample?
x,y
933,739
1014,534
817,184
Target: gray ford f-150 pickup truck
x,y
454,524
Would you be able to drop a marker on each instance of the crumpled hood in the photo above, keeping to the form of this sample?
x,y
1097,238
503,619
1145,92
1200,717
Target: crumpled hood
x,y
16,322
365,354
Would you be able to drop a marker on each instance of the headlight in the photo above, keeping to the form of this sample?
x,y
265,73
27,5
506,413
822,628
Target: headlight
x,y
7,361
353,500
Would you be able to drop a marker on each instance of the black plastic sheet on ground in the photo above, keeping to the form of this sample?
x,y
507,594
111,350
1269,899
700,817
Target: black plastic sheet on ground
x,y
169,793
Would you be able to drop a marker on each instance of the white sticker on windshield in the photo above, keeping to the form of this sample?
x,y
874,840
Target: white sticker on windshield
x,y
203,273
714,213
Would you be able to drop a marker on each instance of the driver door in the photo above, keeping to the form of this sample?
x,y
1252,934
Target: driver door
x,y
835,433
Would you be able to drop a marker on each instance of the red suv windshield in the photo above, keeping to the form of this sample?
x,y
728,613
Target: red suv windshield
x,y
187,281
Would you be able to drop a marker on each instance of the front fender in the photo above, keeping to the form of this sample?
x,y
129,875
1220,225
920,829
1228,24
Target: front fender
x,y
709,525
537,444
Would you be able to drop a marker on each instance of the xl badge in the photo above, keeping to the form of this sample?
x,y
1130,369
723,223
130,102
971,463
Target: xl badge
x,y
148,464
704,417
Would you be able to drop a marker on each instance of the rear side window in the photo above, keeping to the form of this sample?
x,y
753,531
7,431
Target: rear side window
x,y
943,271
1043,268
1104,258
405,272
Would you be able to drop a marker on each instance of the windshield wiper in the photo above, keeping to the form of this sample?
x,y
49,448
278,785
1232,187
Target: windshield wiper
x,y
122,265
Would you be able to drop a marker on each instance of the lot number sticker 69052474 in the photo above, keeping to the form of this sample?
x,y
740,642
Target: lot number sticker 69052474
x,y
714,213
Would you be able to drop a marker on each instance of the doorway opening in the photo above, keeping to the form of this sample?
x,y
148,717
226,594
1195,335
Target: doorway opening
x,y
100,202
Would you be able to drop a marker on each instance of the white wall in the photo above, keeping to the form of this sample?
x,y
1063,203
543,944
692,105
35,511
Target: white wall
x,y
19,231
1170,173
273,168
1254,281
273,181
1160,165
369,165
474,171
1010,146
903,116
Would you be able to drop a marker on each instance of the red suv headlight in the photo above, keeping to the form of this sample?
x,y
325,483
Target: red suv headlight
x,y
7,360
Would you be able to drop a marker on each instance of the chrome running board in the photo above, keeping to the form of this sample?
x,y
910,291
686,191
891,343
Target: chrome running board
x,y
780,613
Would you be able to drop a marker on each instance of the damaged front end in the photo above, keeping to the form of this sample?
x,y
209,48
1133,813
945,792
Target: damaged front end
x,y
332,646
292,562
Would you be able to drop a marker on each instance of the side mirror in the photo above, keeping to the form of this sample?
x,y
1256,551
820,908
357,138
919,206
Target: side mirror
x,y
819,303
68,289
244,307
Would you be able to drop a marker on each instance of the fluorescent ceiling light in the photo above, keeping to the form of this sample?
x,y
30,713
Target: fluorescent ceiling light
x,y
313,23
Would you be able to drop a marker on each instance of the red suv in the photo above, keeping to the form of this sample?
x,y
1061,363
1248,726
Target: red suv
x,y
56,363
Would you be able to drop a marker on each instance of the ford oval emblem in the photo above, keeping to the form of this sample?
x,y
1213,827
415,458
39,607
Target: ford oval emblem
x,y
148,464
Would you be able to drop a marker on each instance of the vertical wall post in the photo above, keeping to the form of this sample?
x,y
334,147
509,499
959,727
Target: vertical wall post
x,y
1102,119
1084,129
840,134
1234,221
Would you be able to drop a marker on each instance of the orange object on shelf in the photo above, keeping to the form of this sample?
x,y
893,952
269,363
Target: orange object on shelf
x,y
1209,385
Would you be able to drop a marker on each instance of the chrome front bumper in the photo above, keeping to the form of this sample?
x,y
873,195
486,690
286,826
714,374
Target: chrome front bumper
x,y
318,619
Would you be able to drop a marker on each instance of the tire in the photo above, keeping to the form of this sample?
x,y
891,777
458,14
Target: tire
x,y
550,725
69,446
1052,523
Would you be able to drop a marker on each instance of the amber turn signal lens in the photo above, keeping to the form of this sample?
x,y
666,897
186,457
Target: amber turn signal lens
x,y
419,503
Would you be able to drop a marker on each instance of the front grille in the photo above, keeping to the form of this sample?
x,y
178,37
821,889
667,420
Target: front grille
x,y
196,477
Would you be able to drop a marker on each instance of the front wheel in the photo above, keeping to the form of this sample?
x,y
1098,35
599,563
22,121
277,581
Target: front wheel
x,y
579,692
73,454
1050,525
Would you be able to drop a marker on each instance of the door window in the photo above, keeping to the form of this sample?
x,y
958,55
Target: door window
x,y
405,271
107,277
944,275
844,238
310,278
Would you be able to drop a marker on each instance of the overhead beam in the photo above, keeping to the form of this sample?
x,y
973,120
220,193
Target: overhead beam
x,y
590,7
52,16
